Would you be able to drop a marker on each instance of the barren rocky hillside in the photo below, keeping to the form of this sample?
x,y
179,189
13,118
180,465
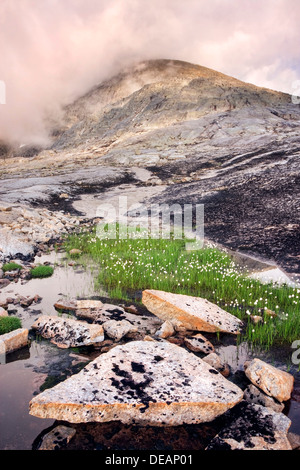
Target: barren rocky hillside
x,y
202,136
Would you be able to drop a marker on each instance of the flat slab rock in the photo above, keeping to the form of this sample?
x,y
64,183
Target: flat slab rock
x,y
68,333
194,313
141,382
253,427
274,382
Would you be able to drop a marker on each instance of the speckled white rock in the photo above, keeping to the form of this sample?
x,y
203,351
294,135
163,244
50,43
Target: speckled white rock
x,y
67,333
198,343
274,382
142,382
14,340
118,329
194,312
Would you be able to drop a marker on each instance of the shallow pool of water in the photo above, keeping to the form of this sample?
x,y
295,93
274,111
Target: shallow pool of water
x,y
41,364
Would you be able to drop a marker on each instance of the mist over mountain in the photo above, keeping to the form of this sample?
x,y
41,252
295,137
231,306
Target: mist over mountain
x,y
204,137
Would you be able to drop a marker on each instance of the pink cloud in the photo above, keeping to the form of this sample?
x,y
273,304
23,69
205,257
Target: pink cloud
x,y
55,50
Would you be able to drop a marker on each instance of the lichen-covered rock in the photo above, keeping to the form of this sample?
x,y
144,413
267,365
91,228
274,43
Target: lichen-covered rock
x,y
194,312
107,312
198,343
142,382
14,340
253,427
274,382
57,438
118,329
67,333
253,395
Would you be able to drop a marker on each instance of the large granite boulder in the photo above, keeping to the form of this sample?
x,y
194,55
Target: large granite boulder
x,y
194,313
150,383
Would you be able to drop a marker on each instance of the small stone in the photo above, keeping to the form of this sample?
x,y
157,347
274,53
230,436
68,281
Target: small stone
x,y
270,313
274,382
118,329
3,312
4,283
176,340
149,338
166,330
131,309
69,306
256,319
199,343
57,438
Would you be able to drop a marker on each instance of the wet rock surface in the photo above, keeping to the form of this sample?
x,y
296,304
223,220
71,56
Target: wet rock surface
x,y
142,382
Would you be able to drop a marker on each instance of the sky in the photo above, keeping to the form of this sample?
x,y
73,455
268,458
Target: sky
x,y
53,51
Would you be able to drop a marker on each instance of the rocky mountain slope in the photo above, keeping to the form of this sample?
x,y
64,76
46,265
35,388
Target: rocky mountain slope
x,y
203,136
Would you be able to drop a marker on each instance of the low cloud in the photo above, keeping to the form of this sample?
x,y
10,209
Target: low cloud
x,y
55,50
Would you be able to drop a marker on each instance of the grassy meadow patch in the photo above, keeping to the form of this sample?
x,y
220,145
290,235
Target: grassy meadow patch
x,y
130,265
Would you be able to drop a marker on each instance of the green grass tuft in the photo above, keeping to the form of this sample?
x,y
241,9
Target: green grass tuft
x,y
42,271
10,267
8,324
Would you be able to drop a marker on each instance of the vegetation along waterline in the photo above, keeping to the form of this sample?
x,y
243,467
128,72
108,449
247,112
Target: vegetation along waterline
x,y
126,266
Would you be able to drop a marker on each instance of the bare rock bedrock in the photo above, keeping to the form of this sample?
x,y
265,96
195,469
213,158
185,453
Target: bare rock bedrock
x,y
204,137
149,383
